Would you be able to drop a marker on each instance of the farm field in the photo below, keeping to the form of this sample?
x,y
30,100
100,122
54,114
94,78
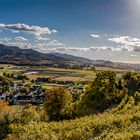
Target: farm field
x,y
60,74
57,74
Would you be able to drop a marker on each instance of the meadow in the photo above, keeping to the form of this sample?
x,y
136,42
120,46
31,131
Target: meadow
x,y
57,73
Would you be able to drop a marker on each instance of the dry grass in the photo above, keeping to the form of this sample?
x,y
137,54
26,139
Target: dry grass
x,y
68,79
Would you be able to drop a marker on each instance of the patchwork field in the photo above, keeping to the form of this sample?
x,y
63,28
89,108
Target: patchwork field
x,y
61,74
58,74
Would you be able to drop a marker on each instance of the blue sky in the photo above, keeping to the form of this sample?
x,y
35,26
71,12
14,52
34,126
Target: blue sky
x,y
96,29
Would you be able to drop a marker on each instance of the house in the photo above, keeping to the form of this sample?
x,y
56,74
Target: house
x,y
20,85
3,96
17,94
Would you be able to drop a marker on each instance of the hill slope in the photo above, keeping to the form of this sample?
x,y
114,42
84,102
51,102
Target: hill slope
x,y
15,55
113,125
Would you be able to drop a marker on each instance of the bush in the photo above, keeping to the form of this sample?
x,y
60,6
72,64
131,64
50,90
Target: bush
x,y
5,83
101,94
22,77
137,97
57,104
132,81
104,126
4,123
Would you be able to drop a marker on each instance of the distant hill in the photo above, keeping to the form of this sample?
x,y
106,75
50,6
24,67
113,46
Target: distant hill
x,y
71,58
17,56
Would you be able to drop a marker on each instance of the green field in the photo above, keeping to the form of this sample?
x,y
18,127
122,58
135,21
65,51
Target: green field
x,y
49,72
56,73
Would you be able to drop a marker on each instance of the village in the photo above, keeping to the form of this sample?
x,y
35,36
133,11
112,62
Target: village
x,y
21,93
30,84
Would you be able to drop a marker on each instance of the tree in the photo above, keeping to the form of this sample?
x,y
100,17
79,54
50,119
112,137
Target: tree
x,y
5,83
93,68
57,103
25,90
102,93
132,81
22,77
4,122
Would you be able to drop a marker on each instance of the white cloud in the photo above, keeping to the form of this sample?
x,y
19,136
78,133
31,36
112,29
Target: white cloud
x,y
95,35
77,49
89,49
54,31
35,30
39,38
102,48
72,49
14,31
55,43
111,48
127,43
44,47
20,38
20,44
5,39
126,40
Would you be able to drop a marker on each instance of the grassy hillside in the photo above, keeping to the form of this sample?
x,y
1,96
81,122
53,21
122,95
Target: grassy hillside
x,y
109,109
116,124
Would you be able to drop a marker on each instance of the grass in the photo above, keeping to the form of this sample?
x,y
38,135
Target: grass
x,y
56,73
47,86
112,125
43,86
75,79
90,77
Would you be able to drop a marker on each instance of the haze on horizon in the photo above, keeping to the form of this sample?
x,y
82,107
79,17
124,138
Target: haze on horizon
x,y
99,29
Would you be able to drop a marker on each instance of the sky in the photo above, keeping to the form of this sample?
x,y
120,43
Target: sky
x,y
94,29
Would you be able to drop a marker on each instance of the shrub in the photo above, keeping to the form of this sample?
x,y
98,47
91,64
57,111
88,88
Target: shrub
x,y
5,83
132,81
137,97
57,104
4,122
102,93
22,77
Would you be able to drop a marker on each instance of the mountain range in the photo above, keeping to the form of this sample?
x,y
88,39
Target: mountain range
x,y
17,56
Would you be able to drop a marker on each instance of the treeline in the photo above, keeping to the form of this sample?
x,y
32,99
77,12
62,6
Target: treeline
x,y
40,80
15,76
